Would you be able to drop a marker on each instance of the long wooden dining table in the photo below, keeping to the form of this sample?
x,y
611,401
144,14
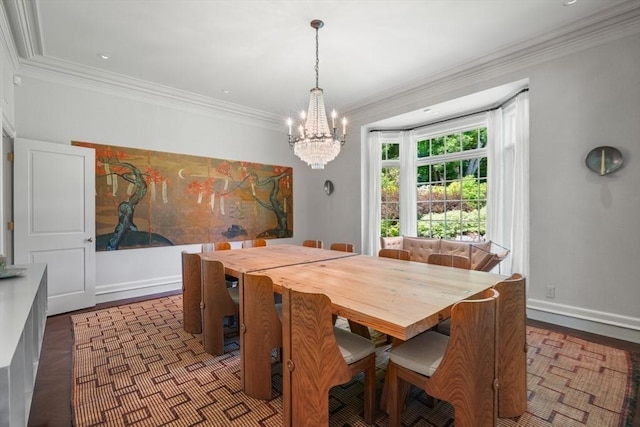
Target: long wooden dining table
x,y
399,298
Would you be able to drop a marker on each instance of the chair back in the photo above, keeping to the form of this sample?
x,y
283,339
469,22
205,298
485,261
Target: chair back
x,y
216,304
254,243
512,347
402,254
344,247
449,260
312,360
223,246
191,293
312,243
262,332
467,375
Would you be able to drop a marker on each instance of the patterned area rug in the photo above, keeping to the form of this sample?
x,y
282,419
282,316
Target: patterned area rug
x,y
135,366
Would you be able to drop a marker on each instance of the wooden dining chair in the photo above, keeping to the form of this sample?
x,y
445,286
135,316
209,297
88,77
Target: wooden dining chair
x,y
191,293
254,243
449,260
460,369
402,254
222,246
218,302
312,243
344,247
512,346
208,247
261,327
318,356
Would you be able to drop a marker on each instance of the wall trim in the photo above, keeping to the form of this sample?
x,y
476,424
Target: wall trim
x,y
598,322
133,289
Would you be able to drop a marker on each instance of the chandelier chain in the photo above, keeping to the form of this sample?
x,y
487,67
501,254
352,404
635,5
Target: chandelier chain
x,y
317,59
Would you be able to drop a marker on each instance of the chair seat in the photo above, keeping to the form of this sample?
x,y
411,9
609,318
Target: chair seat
x,y
422,353
353,347
235,294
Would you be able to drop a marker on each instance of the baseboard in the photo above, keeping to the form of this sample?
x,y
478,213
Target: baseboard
x,y
597,322
120,291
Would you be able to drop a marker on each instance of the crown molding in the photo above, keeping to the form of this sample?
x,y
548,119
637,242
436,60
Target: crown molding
x,y
24,15
7,39
616,23
73,74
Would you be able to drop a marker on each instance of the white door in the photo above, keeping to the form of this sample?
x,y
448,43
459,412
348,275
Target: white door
x,y
54,216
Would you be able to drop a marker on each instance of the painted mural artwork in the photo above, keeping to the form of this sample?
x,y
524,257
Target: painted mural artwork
x,y
149,198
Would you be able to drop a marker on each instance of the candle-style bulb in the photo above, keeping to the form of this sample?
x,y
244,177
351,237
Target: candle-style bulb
x,y
289,123
344,125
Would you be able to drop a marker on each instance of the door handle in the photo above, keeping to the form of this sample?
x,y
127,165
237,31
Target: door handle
x,y
90,239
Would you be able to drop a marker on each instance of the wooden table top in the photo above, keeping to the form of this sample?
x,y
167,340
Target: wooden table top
x,y
395,297
238,261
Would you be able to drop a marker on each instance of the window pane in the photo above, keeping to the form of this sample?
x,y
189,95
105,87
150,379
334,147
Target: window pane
x,y
390,202
390,151
437,146
454,143
423,148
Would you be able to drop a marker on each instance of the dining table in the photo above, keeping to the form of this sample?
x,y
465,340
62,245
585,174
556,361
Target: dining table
x,y
395,297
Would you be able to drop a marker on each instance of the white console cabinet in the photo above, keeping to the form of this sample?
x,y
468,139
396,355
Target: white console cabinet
x,y
23,315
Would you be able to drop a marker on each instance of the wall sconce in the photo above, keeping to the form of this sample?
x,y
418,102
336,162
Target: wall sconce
x,y
328,187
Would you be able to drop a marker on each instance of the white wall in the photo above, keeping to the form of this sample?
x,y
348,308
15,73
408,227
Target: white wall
x,y
585,229
60,109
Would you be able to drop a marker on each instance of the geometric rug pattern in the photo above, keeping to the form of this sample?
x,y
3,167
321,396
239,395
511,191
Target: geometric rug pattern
x,y
134,365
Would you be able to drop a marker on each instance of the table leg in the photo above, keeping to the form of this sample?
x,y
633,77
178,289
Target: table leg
x,y
403,386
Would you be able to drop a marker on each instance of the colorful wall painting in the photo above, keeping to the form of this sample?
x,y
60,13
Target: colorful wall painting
x,y
149,198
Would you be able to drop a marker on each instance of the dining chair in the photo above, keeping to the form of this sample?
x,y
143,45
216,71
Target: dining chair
x,y
355,327
261,326
512,346
313,243
402,254
191,293
222,246
449,260
218,302
208,247
318,356
254,243
344,247
460,369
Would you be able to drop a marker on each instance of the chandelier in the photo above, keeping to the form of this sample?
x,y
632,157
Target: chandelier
x,y
315,143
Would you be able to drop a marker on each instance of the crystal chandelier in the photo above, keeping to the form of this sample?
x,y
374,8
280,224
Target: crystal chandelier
x,y
315,143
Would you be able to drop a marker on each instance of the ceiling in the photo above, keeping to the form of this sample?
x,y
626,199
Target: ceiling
x,y
261,54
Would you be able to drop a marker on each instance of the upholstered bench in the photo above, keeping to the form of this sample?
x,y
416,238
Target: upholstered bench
x,y
479,253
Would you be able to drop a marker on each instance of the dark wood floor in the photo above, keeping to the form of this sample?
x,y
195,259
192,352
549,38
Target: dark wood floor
x,y
51,404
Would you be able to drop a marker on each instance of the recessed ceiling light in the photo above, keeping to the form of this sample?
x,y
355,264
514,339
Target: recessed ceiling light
x,y
569,2
103,56
225,91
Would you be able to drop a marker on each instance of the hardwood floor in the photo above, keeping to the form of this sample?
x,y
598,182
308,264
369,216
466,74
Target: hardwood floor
x,y
51,404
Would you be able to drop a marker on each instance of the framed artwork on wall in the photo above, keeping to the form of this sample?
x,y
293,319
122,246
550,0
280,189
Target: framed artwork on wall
x,y
148,198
